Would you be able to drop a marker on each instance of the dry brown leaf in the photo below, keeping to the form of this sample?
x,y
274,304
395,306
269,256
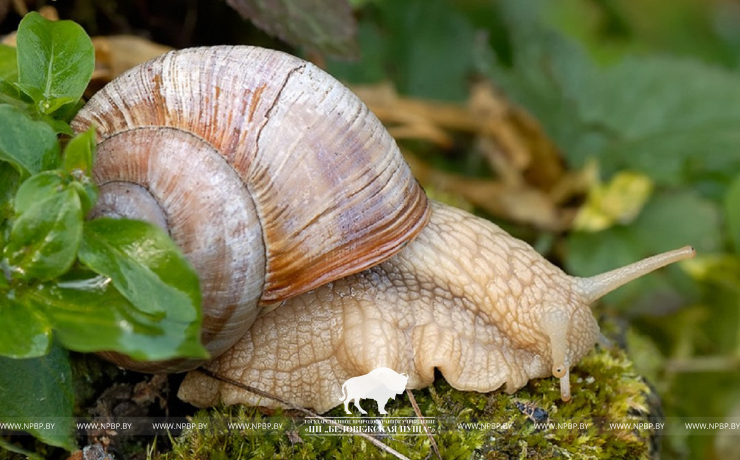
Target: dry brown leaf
x,y
117,53
527,165
49,12
9,39
519,137
326,26
518,203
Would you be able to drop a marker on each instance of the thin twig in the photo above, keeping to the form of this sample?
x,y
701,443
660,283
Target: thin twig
x,y
424,423
20,7
289,405
703,364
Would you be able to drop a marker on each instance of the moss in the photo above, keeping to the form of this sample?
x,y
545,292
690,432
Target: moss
x,y
605,387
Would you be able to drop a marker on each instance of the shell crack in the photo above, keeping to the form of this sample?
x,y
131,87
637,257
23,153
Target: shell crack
x,y
275,102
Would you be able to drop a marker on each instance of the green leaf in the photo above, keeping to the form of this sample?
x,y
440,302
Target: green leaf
x,y
8,63
629,115
427,47
78,155
60,122
55,61
614,29
670,128
26,334
9,180
78,161
87,191
39,390
371,68
19,450
147,269
679,217
143,263
432,49
89,314
45,238
9,93
30,146
326,26
38,188
732,211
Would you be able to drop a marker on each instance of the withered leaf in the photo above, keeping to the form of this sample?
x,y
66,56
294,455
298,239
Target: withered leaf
x,y
326,26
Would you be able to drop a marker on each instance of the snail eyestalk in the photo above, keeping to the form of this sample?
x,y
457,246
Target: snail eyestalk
x,y
596,287
565,386
556,325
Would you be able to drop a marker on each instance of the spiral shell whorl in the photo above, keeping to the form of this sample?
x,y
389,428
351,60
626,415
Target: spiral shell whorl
x,y
329,191
223,240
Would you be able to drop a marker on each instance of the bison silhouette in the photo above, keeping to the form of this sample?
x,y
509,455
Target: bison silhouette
x,y
381,385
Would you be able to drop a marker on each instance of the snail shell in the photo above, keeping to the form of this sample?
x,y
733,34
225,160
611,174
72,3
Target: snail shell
x,y
270,175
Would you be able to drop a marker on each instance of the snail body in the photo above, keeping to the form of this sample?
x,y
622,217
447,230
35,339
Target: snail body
x,y
463,297
320,257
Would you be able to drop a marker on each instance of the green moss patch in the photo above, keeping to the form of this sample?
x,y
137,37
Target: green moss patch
x,y
533,423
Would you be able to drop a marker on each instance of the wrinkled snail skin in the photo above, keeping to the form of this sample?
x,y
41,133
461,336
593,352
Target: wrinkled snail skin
x,y
463,297
319,256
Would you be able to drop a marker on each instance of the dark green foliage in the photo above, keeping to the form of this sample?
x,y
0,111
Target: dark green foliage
x,y
87,286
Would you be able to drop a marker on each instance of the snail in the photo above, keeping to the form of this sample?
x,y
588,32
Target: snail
x,y
319,255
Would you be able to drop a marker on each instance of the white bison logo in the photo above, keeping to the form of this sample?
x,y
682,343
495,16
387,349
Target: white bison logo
x,y
381,385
